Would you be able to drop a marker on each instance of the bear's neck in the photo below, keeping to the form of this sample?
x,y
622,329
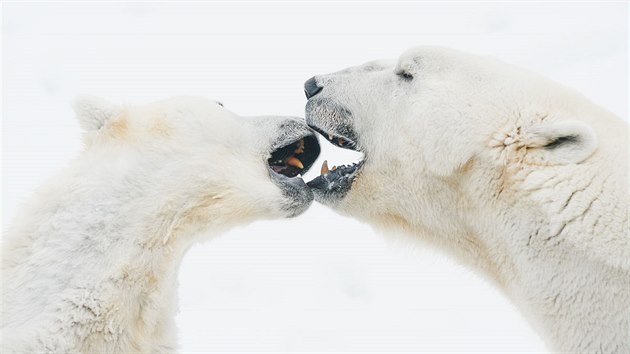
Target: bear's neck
x,y
116,242
555,285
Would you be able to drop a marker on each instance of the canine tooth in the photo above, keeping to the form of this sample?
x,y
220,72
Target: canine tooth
x,y
300,148
333,168
330,137
324,169
293,161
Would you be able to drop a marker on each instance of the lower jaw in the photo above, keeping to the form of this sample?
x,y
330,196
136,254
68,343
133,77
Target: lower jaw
x,y
332,187
298,196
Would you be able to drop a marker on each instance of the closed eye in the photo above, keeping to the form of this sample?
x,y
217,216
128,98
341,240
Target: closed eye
x,y
405,75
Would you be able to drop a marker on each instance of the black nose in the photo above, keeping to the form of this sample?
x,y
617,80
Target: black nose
x,y
311,88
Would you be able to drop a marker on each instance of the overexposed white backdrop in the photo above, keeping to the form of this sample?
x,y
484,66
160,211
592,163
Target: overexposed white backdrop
x,y
319,282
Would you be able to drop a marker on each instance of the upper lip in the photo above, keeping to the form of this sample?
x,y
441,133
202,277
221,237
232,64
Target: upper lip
x,y
338,140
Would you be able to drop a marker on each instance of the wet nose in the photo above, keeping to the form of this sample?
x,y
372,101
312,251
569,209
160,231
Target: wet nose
x,y
311,88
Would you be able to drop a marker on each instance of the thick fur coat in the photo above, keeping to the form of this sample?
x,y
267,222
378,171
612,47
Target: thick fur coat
x,y
90,263
515,175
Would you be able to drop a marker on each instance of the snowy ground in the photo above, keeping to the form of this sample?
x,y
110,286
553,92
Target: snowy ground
x,y
319,282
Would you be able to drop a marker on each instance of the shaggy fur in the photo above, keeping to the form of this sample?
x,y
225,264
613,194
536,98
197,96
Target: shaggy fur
x,y
90,264
516,176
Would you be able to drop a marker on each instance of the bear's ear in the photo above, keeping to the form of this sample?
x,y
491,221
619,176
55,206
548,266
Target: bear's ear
x,y
92,112
559,143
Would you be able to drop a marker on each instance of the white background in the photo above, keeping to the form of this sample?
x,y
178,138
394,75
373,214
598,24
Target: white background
x,y
319,282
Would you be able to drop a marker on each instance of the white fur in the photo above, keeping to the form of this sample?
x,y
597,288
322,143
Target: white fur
x,y
90,264
457,157
92,112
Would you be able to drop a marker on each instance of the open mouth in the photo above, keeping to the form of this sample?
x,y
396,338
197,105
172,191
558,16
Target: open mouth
x,y
287,164
295,158
334,182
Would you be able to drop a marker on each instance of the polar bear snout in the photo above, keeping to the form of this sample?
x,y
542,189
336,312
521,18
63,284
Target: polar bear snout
x,y
334,122
311,88
292,156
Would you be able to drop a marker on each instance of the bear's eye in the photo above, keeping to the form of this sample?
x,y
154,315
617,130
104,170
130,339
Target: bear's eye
x,y
405,75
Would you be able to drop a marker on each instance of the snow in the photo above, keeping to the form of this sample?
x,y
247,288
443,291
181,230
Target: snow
x,y
320,282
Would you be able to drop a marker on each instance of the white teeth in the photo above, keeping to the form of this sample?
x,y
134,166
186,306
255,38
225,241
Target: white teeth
x,y
330,137
293,161
324,169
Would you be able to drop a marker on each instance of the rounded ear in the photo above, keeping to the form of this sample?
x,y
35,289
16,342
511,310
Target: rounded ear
x,y
92,112
559,143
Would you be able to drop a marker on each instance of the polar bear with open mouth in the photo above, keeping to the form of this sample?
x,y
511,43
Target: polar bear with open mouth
x,y
90,265
518,177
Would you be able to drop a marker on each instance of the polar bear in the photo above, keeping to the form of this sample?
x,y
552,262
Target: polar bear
x,y
90,265
515,175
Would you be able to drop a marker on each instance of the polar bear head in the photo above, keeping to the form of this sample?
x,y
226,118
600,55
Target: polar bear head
x,y
196,163
434,120
515,175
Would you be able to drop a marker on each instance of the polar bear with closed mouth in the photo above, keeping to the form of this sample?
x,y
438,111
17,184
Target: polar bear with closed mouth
x,y
90,264
515,175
